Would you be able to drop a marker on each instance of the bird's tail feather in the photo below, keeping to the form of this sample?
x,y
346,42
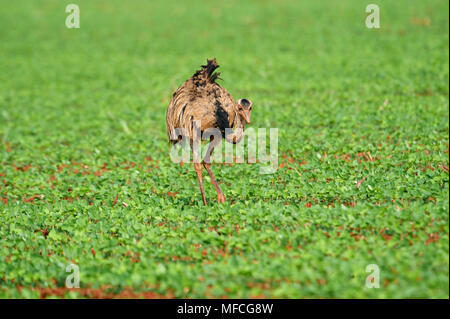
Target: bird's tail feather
x,y
208,70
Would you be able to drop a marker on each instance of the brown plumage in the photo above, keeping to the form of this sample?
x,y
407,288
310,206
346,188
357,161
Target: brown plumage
x,y
200,98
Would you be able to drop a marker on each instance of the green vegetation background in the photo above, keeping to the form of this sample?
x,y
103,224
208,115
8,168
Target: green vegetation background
x,y
85,175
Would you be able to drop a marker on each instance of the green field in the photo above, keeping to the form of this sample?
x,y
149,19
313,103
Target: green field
x,y
86,178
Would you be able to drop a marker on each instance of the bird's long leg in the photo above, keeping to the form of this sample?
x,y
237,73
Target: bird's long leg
x,y
207,164
198,169
220,195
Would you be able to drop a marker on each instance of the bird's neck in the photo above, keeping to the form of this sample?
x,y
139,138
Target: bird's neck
x,y
237,122
237,130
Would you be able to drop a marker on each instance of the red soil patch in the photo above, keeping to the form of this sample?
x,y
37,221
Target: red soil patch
x,y
32,198
344,157
290,160
385,236
134,257
61,167
102,170
4,200
100,293
44,231
22,168
432,238
444,167
367,157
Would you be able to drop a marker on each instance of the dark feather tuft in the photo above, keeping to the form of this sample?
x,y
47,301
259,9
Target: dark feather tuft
x,y
207,71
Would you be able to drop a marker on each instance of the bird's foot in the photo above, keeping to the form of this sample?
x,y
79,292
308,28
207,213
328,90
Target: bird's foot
x,y
220,198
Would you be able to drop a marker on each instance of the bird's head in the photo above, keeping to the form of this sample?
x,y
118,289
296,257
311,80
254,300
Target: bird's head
x,y
244,107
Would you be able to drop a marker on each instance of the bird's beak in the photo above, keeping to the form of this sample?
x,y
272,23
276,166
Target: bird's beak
x,y
246,116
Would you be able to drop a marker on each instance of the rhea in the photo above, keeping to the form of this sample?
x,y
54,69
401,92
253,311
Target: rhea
x,y
200,104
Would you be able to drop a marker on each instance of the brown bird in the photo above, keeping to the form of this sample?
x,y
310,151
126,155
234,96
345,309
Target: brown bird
x,y
200,98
